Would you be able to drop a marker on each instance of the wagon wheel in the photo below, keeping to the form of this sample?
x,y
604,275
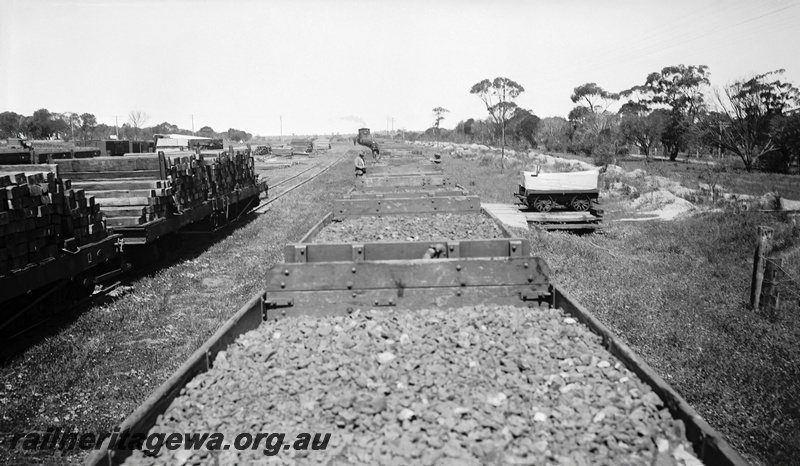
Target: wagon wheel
x,y
543,204
581,204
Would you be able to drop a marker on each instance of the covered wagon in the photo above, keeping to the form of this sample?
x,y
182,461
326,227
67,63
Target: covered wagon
x,y
576,190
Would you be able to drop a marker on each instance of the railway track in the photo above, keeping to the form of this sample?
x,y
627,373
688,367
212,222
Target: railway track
x,y
287,185
22,339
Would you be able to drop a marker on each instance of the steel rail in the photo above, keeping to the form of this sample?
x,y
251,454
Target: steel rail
x,y
266,202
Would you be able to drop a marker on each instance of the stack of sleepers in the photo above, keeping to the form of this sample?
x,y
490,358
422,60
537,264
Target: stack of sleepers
x,y
228,172
135,190
197,179
129,188
41,214
189,182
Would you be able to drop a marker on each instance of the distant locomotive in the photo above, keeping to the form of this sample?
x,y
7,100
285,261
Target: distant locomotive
x,y
365,139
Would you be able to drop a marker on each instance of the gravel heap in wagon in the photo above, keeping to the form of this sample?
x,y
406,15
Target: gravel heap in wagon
x,y
477,385
412,228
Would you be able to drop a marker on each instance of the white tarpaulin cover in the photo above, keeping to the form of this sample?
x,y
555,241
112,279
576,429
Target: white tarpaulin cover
x,y
560,182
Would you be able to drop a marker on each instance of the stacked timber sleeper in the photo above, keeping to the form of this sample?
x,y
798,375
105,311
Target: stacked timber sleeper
x,y
40,214
135,190
197,179
129,188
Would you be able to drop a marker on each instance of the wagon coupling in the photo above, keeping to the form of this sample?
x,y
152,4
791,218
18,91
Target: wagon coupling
x,y
435,251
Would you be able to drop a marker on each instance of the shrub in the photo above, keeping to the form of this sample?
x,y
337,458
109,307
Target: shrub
x,y
604,154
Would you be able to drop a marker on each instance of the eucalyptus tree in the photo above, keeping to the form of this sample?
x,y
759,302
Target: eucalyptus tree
x,y
752,116
681,90
498,96
438,113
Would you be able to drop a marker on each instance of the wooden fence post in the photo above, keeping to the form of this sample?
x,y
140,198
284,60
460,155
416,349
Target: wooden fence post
x,y
763,248
771,295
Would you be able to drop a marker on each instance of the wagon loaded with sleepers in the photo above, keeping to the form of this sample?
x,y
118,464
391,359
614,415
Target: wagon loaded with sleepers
x,y
54,247
68,226
447,347
149,197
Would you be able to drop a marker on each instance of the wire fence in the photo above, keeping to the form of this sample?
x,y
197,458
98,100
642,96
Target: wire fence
x,y
789,279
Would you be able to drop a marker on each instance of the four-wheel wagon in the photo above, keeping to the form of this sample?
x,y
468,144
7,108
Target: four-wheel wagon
x,y
575,190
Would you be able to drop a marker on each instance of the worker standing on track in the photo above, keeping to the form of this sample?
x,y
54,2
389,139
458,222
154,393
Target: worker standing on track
x,y
361,166
376,152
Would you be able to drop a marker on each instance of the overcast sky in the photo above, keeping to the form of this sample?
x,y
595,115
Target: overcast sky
x,y
334,65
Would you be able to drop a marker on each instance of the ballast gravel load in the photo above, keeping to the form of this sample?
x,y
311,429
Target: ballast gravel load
x,y
477,385
409,228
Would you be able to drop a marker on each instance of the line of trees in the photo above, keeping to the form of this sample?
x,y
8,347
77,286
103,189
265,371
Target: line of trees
x,y
674,110
74,127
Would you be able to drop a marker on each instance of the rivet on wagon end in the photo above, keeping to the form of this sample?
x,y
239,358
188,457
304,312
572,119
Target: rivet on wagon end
x,y
458,267
525,265
353,270
530,278
286,272
376,302
283,312
283,284
349,310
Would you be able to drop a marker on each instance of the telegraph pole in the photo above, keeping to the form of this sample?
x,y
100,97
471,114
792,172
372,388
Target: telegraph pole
x,y
192,125
281,128
721,125
116,125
